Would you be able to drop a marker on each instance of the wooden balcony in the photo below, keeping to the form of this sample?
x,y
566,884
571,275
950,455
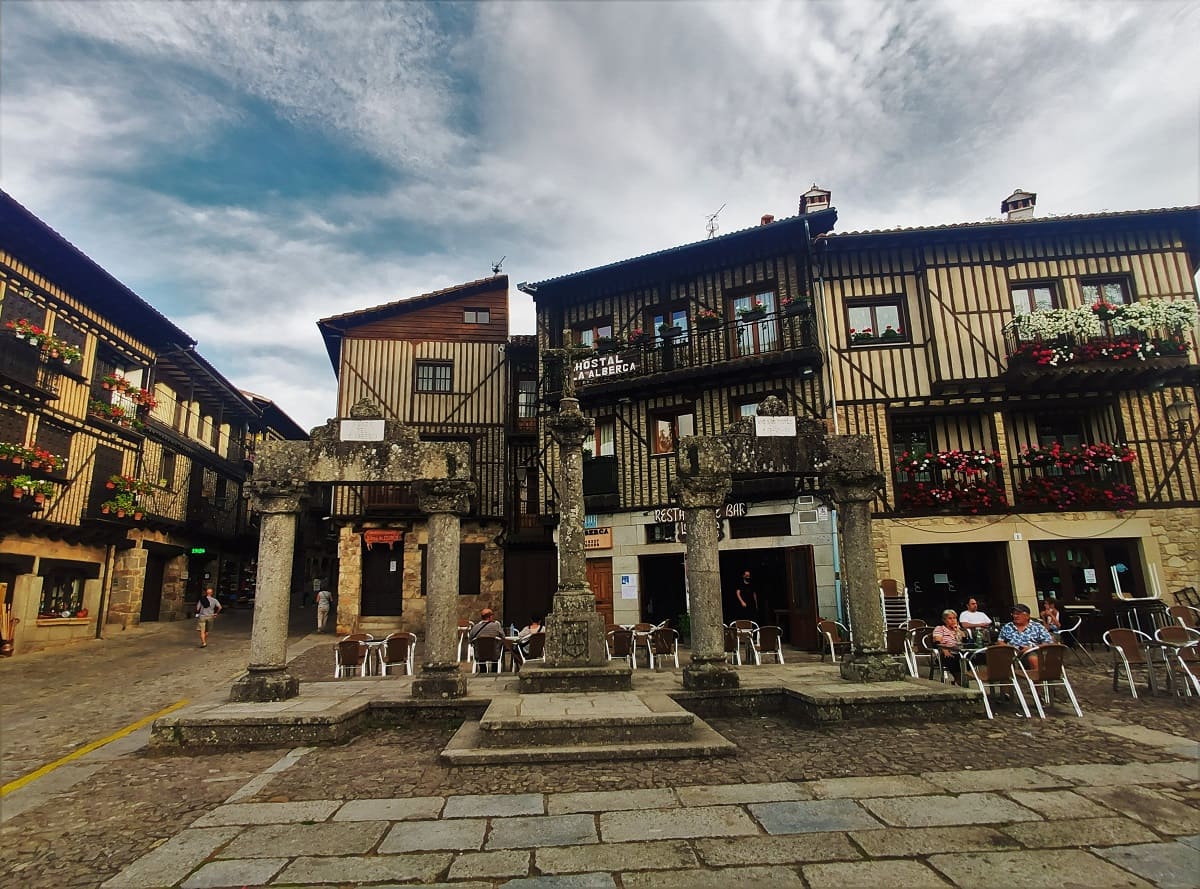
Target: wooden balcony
x,y
27,371
756,347
1130,359
523,426
962,482
531,527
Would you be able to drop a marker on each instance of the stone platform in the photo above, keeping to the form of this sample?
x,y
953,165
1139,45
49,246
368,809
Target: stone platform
x,y
583,726
332,712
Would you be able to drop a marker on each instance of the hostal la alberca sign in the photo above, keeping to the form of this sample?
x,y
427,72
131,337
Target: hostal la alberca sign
x,y
600,366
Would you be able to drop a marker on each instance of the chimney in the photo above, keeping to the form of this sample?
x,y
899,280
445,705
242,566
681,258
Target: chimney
x,y
1018,205
814,199
767,219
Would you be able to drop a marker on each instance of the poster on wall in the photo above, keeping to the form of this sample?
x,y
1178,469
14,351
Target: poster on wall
x,y
629,586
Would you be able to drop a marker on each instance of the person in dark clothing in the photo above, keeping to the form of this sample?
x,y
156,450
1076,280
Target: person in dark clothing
x,y
747,598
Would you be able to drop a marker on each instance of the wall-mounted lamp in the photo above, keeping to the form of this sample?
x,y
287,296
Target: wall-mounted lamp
x,y
522,474
1179,418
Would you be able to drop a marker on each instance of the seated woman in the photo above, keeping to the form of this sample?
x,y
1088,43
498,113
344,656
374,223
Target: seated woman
x,y
1051,618
535,626
949,639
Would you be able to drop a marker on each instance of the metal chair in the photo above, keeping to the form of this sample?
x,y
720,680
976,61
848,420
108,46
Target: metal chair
x,y
745,630
350,658
1184,647
464,646
896,641
914,623
1069,636
534,650
997,670
1185,616
768,642
1049,671
398,650
1130,648
489,650
619,643
920,645
664,643
832,632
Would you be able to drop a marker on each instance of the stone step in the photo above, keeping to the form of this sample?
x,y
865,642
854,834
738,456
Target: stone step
x,y
465,748
562,719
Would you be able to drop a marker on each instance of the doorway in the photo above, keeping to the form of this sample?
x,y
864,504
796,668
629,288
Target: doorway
x,y
152,587
599,578
1079,573
530,578
382,581
945,575
663,589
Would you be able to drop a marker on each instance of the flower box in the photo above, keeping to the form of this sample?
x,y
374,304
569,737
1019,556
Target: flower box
x,y
752,315
797,306
669,331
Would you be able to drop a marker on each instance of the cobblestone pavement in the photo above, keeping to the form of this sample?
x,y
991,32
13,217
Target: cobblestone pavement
x,y
1112,799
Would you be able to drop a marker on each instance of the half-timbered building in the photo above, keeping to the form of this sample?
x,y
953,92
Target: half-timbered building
x,y
684,342
1031,384
124,451
435,362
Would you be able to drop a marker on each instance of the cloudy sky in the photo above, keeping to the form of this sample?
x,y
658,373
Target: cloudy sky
x,y
249,168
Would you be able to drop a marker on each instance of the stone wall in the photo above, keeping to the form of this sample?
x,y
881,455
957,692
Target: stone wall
x,y
125,595
174,585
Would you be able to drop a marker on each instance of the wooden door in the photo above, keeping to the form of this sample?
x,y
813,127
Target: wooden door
x,y
599,577
152,587
382,581
530,577
802,598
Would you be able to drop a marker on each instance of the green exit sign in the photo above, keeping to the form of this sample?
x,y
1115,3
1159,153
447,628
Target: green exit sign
x,y
198,550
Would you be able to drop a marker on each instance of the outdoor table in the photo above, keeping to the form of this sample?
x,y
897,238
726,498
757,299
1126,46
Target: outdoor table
x,y
374,656
512,648
1164,649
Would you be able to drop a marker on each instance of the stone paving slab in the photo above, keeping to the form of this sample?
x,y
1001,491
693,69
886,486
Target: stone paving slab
x,y
493,805
269,813
737,794
812,816
490,865
1128,773
1058,804
291,840
666,824
782,877
859,788
173,860
235,872
413,809
1035,869
563,881
542,830
1193,841
934,811
1169,865
909,874
610,801
964,781
776,850
1167,816
463,834
365,869
896,842
1080,832
1172,744
653,855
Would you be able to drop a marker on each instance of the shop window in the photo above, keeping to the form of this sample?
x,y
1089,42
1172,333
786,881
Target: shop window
x,y
667,427
435,376
1114,291
760,526
602,441
62,594
660,532
877,322
1027,298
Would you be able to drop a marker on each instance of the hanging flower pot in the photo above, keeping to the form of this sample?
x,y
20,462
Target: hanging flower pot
x,y
54,353
35,464
105,510
749,315
39,497
106,385
120,513
18,493
137,515
19,335
110,485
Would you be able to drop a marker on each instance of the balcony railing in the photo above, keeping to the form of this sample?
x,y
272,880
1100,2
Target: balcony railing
x,y
704,345
950,481
1097,476
28,368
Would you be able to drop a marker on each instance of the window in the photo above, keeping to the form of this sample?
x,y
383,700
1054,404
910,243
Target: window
x,y
747,405
877,322
669,317
1062,429
166,471
527,398
666,428
470,568
477,316
587,335
62,594
1114,291
1028,298
755,336
660,532
435,376
602,441
915,438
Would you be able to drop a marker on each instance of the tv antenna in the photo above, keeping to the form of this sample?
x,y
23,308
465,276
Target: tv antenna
x,y
711,226
498,264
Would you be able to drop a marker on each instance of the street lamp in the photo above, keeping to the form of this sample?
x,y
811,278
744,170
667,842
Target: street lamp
x,y
1179,418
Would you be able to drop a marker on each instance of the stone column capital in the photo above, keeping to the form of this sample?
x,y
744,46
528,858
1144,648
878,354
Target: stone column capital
x,y
702,491
850,487
445,495
569,427
267,496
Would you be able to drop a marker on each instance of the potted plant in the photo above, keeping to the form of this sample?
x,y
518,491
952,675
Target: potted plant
x,y
859,337
752,312
796,305
669,331
114,382
603,344
24,329
637,335
891,334
143,398
708,317
67,353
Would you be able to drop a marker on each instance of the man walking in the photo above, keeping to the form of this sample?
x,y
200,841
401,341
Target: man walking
x,y
324,602
207,608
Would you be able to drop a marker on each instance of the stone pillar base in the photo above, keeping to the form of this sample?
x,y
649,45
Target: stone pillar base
x,y
439,682
702,675
540,678
575,639
265,685
869,666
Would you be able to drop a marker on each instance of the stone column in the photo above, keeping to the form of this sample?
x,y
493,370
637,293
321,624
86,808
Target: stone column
x,y
853,481
267,678
700,496
443,500
574,629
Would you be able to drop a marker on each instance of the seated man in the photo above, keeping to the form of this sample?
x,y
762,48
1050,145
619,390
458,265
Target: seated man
x,y
487,625
1024,634
973,619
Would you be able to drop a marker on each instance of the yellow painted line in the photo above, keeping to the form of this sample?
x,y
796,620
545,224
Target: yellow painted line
x,y
85,749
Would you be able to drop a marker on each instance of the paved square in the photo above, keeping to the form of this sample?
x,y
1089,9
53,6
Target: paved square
x,y
814,816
